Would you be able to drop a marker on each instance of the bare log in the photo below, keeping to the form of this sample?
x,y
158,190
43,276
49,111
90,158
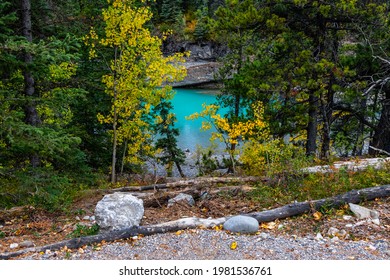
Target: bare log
x,y
354,196
293,209
198,182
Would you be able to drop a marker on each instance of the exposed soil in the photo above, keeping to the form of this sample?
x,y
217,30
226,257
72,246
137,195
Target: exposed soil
x,y
44,228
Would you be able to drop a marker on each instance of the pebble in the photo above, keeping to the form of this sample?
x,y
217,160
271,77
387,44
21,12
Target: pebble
x,y
332,231
87,218
14,245
27,244
264,235
319,236
347,217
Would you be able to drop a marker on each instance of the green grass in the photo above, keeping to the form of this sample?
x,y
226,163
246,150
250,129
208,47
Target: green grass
x,y
314,186
83,230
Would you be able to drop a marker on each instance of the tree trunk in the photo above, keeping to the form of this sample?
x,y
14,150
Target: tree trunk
x,y
31,113
114,124
381,138
311,145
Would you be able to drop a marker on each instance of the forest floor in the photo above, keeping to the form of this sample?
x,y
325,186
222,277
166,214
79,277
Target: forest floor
x,y
42,228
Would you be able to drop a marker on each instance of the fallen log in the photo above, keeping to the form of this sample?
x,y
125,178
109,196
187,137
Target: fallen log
x,y
293,209
354,196
198,182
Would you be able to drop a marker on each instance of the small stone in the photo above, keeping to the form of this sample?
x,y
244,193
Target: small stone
x,y
264,235
86,218
14,245
342,233
363,212
332,231
335,239
319,236
347,217
27,244
349,225
372,247
280,226
376,221
92,218
180,198
78,218
241,224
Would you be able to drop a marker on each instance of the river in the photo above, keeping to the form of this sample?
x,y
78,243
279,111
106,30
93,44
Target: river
x,y
185,103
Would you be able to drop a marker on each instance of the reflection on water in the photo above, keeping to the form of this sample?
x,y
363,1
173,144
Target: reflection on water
x,y
185,103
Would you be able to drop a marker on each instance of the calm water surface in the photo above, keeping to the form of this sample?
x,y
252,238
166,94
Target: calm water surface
x,y
185,103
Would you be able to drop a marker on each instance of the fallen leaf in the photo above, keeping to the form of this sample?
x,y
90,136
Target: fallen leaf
x,y
218,228
233,245
179,232
270,225
317,216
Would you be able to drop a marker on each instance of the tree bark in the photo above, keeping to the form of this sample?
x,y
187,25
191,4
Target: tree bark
x,y
381,138
31,113
355,196
311,145
191,182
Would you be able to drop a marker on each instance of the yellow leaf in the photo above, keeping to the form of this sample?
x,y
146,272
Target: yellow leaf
x,y
270,225
179,232
317,216
233,245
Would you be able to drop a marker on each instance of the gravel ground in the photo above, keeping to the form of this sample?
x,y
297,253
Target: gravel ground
x,y
216,245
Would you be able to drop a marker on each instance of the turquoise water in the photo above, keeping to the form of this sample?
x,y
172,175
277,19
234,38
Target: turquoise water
x,y
185,103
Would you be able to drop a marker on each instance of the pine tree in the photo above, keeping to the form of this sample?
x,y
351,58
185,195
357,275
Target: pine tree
x,y
164,127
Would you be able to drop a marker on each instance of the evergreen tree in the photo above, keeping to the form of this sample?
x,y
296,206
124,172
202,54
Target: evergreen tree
x,y
164,127
171,10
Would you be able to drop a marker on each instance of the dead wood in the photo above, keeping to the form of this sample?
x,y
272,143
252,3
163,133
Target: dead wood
x,y
15,212
354,196
198,182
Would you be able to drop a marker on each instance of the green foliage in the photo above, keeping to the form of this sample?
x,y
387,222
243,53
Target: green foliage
x,y
206,160
83,230
2,234
166,144
318,185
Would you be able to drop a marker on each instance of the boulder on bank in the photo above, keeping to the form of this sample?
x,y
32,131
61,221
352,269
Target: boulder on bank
x,y
241,224
119,211
182,198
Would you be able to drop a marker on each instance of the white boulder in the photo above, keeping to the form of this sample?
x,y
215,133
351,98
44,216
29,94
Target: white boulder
x,y
119,211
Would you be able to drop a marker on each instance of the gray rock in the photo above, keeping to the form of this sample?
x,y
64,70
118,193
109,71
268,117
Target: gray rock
x,y
332,231
14,245
241,224
181,198
319,236
118,211
26,244
86,218
363,212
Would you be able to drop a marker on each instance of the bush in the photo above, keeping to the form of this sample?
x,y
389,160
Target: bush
x,y
273,159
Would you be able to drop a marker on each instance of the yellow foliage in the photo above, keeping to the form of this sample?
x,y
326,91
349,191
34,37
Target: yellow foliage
x,y
231,133
137,72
